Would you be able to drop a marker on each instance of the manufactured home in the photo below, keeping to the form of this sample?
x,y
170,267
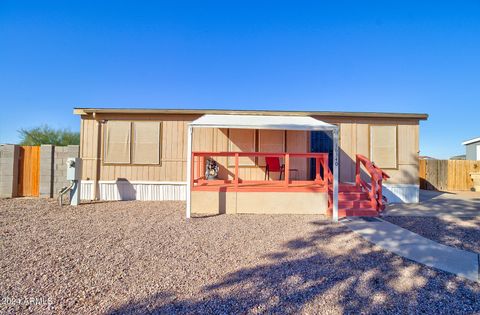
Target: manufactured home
x,y
275,162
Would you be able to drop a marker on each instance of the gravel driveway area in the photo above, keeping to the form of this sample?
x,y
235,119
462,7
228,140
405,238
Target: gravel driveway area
x,y
450,218
144,257
463,233
439,203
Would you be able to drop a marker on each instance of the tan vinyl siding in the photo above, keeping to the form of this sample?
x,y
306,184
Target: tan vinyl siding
x,y
297,142
354,138
87,144
172,166
242,140
407,144
348,149
270,141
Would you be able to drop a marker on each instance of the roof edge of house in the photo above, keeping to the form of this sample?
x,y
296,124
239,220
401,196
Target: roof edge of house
x,y
471,141
86,111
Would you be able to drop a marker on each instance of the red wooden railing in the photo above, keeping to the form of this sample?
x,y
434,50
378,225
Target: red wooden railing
x,y
198,166
377,175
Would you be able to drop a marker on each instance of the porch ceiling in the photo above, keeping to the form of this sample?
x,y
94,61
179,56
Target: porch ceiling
x,y
261,122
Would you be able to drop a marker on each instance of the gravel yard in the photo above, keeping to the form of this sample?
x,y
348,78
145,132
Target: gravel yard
x,y
144,257
453,231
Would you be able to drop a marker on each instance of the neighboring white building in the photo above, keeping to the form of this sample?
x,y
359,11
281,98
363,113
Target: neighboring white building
x,y
472,149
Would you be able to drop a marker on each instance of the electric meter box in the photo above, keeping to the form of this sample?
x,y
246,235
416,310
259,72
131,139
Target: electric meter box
x,y
74,169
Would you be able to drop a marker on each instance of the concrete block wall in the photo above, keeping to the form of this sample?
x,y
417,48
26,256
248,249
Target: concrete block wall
x,y
8,170
46,170
61,155
53,169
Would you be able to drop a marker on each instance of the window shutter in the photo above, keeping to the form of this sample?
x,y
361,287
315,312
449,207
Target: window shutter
x,y
117,142
146,142
383,146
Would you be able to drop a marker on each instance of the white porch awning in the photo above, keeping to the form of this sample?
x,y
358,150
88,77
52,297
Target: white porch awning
x,y
262,122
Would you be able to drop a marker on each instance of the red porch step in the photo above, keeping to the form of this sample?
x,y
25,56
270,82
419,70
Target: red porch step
x,y
342,213
348,188
355,204
352,202
354,195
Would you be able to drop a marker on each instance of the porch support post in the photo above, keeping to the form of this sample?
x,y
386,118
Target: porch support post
x,y
335,174
189,171
287,169
317,169
236,179
197,169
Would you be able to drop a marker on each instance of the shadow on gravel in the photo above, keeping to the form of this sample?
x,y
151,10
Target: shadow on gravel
x,y
306,276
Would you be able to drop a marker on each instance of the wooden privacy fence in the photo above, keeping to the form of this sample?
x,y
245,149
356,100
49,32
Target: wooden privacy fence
x,y
447,174
28,171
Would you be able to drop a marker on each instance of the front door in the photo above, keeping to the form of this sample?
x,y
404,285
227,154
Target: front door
x,y
321,142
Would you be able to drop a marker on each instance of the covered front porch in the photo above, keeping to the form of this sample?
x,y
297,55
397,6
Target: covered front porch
x,y
285,195
246,183
273,182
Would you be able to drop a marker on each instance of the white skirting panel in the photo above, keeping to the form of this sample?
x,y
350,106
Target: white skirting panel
x,y
401,193
86,190
126,190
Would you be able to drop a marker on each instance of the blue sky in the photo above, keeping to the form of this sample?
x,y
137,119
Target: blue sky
x,y
417,56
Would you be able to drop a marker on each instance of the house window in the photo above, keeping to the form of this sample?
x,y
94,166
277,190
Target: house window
x,y
383,146
241,140
146,142
270,141
132,142
117,142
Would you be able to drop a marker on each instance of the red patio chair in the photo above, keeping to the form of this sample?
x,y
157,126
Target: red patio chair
x,y
273,165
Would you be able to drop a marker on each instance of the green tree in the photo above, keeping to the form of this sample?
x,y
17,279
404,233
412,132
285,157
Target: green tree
x,y
47,135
